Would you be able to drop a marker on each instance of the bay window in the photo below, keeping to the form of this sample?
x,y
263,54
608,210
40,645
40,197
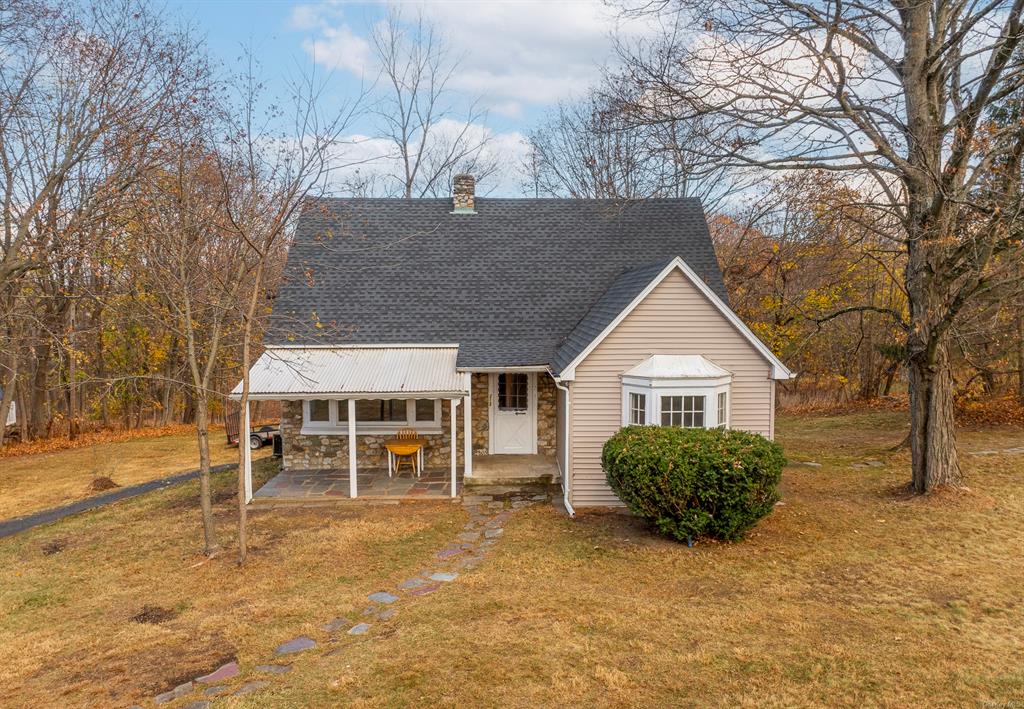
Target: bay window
x,y
688,391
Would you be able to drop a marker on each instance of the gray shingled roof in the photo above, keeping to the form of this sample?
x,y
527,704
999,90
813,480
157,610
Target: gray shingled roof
x,y
512,285
620,293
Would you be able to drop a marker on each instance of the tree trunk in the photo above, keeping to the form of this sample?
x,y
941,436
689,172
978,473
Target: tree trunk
x,y
167,388
72,372
188,412
1020,357
101,368
243,512
203,434
38,404
932,437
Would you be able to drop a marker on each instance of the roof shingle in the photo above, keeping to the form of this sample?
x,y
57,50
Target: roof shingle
x,y
513,285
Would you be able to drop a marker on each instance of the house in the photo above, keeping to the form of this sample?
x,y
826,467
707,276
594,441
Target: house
x,y
516,335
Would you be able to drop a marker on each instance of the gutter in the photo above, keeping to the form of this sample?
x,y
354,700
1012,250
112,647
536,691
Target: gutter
x,y
565,448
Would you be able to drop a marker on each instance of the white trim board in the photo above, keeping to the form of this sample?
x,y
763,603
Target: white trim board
x,y
779,370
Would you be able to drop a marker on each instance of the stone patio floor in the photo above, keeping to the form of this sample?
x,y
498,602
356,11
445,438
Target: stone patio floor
x,y
328,484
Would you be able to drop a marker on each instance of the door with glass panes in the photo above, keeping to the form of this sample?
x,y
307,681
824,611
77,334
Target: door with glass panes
x,y
513,412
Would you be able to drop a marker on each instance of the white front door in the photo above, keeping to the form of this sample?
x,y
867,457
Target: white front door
x,y
513,412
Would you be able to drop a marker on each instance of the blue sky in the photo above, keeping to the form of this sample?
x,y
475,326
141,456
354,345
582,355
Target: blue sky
x,y
518,57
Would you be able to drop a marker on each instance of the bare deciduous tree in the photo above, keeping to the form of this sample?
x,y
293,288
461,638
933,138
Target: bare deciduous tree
x,y
430,142
269,166
591,149
894,96
85,91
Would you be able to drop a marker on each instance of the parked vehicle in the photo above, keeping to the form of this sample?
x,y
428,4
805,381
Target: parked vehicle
x,y
258,437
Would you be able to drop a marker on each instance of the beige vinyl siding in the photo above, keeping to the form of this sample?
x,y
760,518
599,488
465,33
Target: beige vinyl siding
x,y
675,318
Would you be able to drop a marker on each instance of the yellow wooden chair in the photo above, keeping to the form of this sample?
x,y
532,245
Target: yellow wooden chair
x,y
405,447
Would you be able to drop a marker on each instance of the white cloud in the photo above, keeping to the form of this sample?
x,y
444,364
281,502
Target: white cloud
x,y
366,155
340,48
532,51
304,17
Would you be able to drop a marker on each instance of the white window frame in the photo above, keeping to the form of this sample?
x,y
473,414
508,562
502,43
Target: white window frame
x,y
683,410
641,409
336,426
655,389
722,412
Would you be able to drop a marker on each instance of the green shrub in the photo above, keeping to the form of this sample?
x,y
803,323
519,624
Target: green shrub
x,y
691,482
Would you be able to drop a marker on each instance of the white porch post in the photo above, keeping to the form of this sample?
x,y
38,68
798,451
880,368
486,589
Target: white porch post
x,y
243,440
467,429
455,462
353,486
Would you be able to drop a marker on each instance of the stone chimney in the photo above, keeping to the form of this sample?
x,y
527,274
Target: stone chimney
x,y
463,191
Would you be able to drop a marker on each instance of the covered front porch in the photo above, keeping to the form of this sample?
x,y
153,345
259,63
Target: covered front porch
x,y
342,407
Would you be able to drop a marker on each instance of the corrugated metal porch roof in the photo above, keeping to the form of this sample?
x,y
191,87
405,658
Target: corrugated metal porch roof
x,y
372,371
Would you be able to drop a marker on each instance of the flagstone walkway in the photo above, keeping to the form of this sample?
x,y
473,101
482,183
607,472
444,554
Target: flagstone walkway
x,y
489,510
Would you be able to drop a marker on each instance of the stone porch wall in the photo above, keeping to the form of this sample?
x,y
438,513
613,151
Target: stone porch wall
x,y
547,420
303,452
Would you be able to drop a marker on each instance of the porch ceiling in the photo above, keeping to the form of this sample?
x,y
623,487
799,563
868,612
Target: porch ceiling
x,y
369,372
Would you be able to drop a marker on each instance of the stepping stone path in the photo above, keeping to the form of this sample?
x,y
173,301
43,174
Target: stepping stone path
x,y
224,672
249,687
177,693
274,669
333,626
488,512
299,644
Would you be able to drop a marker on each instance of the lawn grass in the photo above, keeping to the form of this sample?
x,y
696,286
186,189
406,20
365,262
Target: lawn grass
x,y
67,634
29,483
851,593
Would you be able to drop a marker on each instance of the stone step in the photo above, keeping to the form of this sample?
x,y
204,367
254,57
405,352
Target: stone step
x,y
507,480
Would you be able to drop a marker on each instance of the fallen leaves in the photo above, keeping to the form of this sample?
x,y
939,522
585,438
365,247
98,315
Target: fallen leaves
x,y
91,438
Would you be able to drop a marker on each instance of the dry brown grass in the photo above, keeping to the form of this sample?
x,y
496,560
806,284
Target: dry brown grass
x,y
849,594
29,483
71,635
